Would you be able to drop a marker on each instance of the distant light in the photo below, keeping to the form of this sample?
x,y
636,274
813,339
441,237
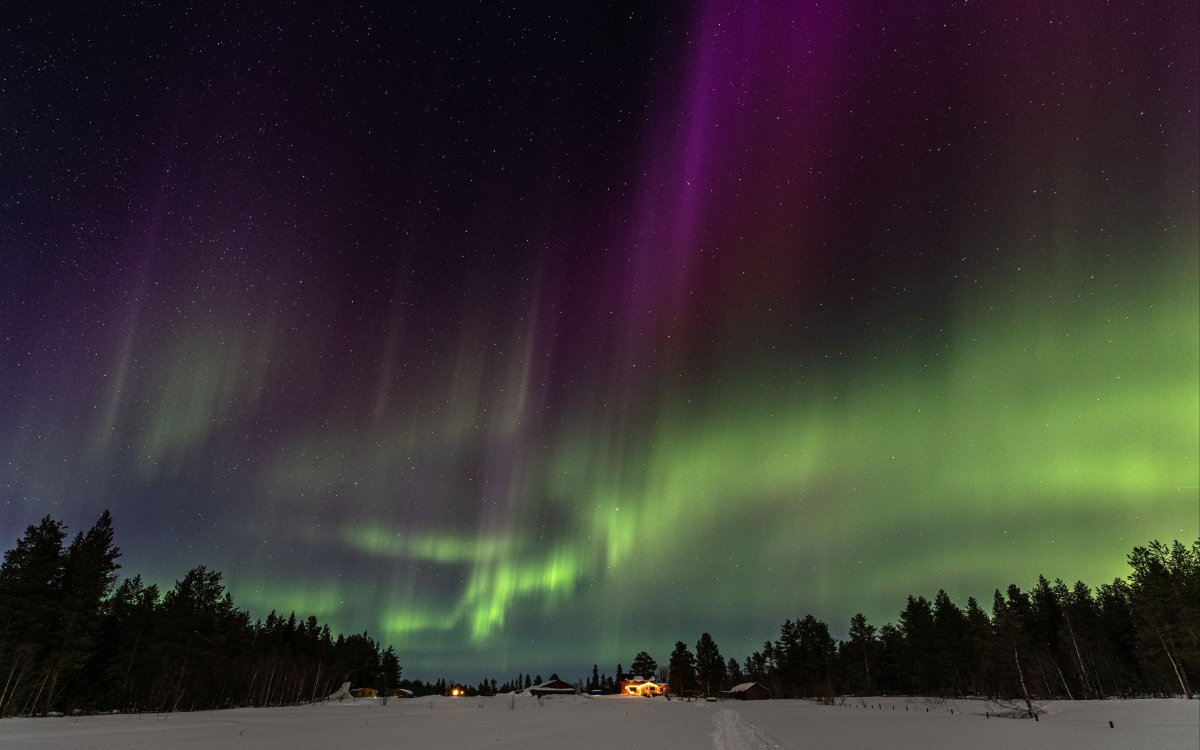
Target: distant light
x,y
456,692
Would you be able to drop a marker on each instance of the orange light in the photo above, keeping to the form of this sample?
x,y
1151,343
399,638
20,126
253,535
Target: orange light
x,y
455,692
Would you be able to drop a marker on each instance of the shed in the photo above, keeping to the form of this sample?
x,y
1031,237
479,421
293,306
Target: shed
x,y
750,691
553,687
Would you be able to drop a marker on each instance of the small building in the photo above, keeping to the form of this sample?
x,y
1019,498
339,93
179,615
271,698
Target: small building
x,y
365,692
750,691
553,687
341,693
643,686
457,690
400,693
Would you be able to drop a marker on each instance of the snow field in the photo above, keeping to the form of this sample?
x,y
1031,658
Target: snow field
x,y
603,723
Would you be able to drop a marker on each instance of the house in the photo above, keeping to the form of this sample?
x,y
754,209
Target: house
x,y
457,690
750,691
365,692
643,686
553,687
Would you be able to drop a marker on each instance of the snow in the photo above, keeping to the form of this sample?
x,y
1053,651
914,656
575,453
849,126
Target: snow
x,y
584,722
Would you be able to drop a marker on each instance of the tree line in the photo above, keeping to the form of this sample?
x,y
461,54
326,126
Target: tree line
x,y
72,638
1128,638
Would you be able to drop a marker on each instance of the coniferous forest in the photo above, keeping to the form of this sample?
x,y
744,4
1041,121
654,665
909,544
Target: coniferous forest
x,y
74,639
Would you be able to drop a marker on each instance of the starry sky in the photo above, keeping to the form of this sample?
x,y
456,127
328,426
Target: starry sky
x,y
526,336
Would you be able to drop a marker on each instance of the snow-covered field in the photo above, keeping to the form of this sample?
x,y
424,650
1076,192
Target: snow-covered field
x,y
619,722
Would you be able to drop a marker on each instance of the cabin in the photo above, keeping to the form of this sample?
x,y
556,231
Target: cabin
x,y
365,692
553,687
400,693
750,691
456,690
643,686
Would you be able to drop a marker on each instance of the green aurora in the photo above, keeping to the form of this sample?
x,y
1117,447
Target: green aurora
x,y
530,343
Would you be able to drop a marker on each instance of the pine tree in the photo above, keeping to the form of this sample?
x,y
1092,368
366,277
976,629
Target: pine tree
x,y
861,648
1045,628
30,586
89,572
710,666
733,672
682,669
982,655
1163,590
1009,617
643,665
916,623
390,669
950,644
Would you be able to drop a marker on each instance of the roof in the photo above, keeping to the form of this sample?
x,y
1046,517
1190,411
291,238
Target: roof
x,y
746,686
552,686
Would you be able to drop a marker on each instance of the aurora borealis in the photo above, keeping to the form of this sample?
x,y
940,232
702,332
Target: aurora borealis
x,y
526,338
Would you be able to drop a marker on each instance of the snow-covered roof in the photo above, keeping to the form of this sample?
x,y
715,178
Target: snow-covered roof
x,y
746,686
552,686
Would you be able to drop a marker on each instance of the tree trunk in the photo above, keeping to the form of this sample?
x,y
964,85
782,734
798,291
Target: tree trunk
x,y
1045,680
1064,680
129,666
316,682
8,697
270,680
1083,675
1020,673
250,691
32,707
1187,690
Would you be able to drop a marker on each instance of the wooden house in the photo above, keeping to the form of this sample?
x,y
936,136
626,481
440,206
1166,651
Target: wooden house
x,y
643,686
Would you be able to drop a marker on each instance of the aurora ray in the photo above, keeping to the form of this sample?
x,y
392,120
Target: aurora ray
x,y
528,343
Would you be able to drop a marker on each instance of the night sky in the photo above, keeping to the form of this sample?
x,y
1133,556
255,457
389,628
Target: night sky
x,y
527,336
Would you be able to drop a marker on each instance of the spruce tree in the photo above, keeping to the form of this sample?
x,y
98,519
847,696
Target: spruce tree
x,y
682,669
390,669
710,666
733,672
30,587
89,572
950,640
862,649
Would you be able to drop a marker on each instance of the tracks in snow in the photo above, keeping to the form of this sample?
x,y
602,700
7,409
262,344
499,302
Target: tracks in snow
x,y
734,733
